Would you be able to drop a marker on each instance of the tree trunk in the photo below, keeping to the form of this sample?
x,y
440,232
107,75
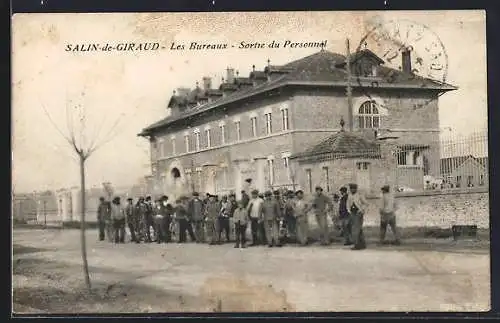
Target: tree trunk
x,y
82,222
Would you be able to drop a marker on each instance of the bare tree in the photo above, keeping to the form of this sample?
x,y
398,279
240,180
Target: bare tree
x,y
83,148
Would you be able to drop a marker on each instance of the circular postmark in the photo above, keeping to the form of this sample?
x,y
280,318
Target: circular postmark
x,y
412,53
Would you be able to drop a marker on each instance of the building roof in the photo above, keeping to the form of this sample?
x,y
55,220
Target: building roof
x,y
323,68
343,144
449,164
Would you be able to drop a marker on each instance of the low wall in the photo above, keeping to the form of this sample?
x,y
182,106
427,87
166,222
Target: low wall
x,y
436,208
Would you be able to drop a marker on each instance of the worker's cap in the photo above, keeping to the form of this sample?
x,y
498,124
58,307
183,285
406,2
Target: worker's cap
x,y
196,194
385,188
343,189
319,188
255,192
299,192
268,193
130,199
353,185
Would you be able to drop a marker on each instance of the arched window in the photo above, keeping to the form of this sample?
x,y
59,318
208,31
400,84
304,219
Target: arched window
x,y
368,115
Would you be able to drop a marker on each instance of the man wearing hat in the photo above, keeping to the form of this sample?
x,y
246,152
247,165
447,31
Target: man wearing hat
x,y
132,220
118,217
245,198
320,204
271,215
102,214
182,217
388,215
344,217
147,219
300,211
356,206
211,215
255,215
196,210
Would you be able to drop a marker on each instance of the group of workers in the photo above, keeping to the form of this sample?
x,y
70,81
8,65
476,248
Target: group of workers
x,y
273,218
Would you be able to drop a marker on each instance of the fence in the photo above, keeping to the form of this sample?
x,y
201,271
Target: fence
x,y
455,161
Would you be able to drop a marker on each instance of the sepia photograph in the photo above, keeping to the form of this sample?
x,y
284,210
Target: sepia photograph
x,y
229,162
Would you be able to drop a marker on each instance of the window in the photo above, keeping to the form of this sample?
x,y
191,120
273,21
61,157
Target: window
x,y
401,157
197,139
284,120
470,180
459,181
481,180
309,180
269,123
326,177
161,148
198,177
222,128
270,165
173,145
362,165
186,142
209,139
254,126
238,130
368,116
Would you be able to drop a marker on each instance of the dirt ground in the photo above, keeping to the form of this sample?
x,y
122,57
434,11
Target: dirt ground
x,y
420,275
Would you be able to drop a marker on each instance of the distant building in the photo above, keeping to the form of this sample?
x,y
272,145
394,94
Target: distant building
x,y
215,139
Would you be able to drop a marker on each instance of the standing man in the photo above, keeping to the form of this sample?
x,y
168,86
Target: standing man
x,y
233,205
182,217
147,219
158,220
139,211
167,211
321,203
356,206
102,214
132,220
225,208
271,215
300,210
344,217
212,212
240,225
388,215
118,217
290,221
196,210
255,216
245,198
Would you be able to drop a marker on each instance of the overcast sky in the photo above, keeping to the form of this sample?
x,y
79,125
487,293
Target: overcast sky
x,y
135,87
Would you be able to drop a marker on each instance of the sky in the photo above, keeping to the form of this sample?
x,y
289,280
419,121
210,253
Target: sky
x,y
116,94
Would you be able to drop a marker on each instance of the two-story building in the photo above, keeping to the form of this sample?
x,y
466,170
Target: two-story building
x,y
214,140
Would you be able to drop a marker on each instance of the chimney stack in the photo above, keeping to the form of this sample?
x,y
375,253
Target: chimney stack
x,y
230,75
207,83
406,60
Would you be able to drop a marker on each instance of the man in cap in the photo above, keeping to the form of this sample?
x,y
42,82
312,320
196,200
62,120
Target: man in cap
x,y
196,210
388,215
320,204
131,220
245,198
289,219
118,216
356,206
255,215
271,215
240,225
182,216
224,210
147,219
300,211
233,205
158,221
211,214
344,217
140,209
102,213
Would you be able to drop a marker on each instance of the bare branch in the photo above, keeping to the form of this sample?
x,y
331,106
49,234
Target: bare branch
x,y
109,136
69,139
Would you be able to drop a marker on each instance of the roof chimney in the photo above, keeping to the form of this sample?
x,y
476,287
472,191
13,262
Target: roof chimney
x,y
230,75
406,60
207,83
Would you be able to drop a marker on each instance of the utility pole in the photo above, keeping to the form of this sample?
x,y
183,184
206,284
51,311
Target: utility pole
x,y
349,88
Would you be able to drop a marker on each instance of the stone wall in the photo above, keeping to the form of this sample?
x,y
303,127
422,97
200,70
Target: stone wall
x,y
436,209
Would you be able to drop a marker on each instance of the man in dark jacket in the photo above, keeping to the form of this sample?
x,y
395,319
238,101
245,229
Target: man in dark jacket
x,y
147,219
102,214
182,216
344,216
132,220
245,199
196,210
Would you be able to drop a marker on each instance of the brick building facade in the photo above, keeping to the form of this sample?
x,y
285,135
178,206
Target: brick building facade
x,y
215,139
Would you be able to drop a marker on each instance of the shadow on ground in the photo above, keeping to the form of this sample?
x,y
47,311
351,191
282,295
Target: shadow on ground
x,y
18,249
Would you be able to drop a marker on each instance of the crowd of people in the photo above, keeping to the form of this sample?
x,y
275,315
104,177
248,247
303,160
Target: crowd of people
x,y
274,218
